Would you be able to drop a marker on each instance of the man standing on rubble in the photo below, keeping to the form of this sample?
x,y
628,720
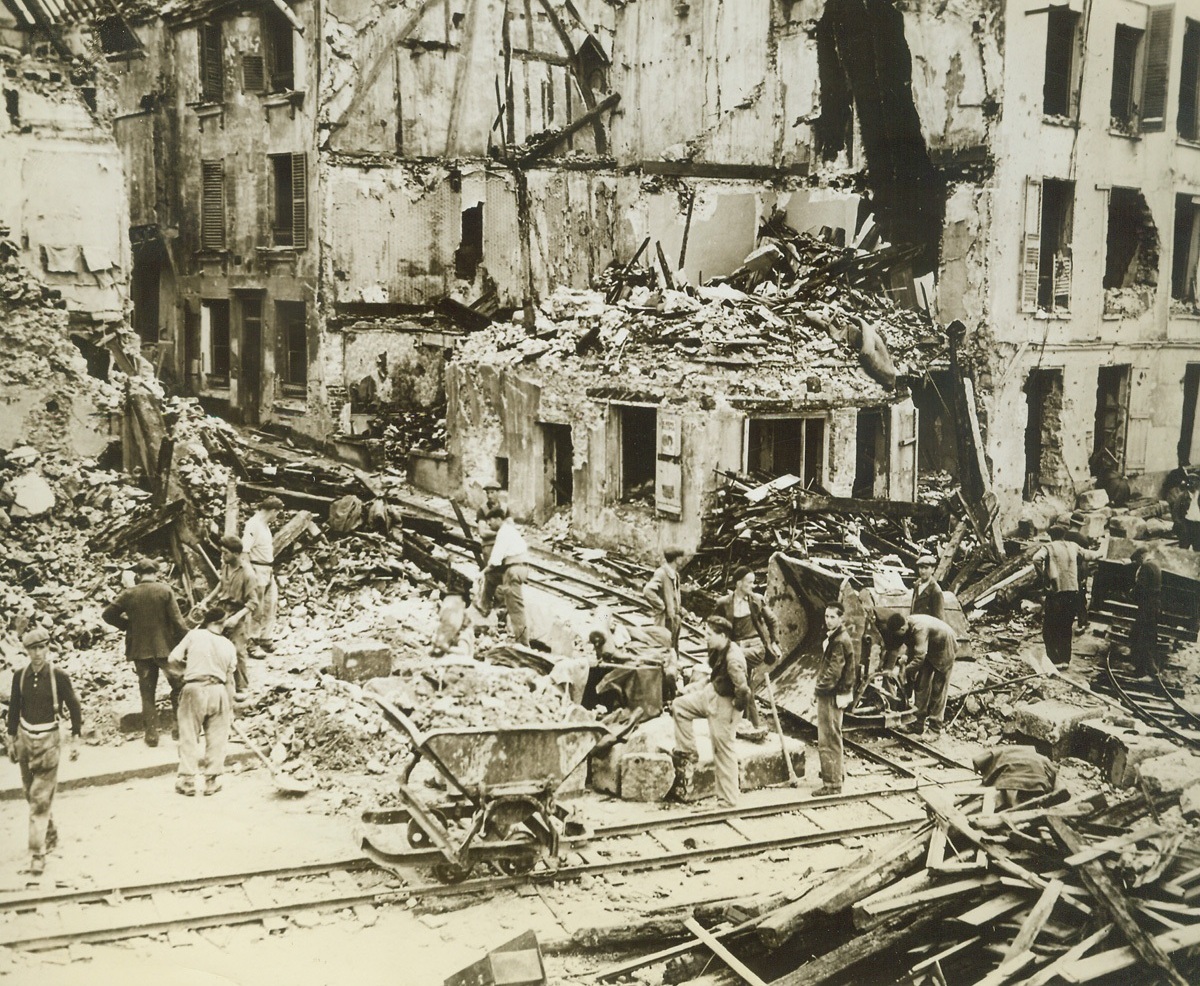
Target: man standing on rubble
x,y
754,630
721,701
1147,595
259,545
834,690
1058,564
153,625
510,558
662,592
239,593
209,663
927,596
39,691
931,648
488,520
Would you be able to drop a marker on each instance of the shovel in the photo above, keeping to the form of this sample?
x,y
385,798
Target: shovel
x,y
793,780
283,783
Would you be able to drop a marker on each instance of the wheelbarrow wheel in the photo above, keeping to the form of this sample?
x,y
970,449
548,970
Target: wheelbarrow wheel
x,y
450,872
520,865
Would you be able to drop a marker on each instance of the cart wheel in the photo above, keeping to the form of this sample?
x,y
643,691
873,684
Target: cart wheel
x,y
450,872
520,865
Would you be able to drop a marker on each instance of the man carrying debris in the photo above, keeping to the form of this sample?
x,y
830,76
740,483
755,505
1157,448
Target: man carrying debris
x,y
1147,595
259,545
753,630
927,596
153,625
662,592
721,701
834,690
39,690
510,557
239,593
931,648
488,520
1058,563
209,663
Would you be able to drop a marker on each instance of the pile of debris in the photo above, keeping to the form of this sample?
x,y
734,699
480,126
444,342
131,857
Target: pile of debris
x,y
396,432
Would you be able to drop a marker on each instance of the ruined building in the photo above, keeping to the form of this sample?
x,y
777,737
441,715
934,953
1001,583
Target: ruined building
x,y
325,198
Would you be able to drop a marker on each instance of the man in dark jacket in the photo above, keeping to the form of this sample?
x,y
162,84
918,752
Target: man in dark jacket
x,y
1147,595
927,596
834,689
930,648
1059,563
153,625
34,741
754,630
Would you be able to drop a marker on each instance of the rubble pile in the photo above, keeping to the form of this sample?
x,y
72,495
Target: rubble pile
x,y
395,433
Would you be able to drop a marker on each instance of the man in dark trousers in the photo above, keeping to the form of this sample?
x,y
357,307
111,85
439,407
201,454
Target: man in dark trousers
x,y
1147,595
927,596
1058,564
39,691
488,520
929,647
662,593
153,625
239,593
834,689
754,631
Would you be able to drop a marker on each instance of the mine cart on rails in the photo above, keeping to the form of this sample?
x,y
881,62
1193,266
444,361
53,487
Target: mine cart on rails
x,y
499,806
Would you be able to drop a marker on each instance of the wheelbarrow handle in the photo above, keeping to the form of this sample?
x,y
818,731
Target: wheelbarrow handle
x,y
400,721
612,739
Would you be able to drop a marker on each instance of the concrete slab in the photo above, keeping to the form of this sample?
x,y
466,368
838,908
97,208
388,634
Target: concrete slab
x,y
1050,724
1171,774
1116,749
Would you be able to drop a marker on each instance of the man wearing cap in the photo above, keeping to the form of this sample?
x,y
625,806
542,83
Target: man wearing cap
x,y
39,691
153,625
1147,595
929,647
720,701
510,557
1058,563
753,630
258,543
927,596
239,593
209,661
488,520
662,592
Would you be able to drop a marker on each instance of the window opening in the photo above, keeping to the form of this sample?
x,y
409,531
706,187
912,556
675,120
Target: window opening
x,y
1123,103
783,446
1058,91
1186,249
639,451
291,326
1044,467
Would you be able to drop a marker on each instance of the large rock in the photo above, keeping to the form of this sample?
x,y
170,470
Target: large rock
x,y
646,776
31,496
1171,774
1093,525
360,658
1091,500
1127,526
1189,802
1116,749
1050,724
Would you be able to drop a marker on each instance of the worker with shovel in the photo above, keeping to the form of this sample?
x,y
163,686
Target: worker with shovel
x,y
207,662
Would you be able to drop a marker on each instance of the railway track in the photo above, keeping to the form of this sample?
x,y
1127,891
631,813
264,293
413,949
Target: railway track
x,y
1153,701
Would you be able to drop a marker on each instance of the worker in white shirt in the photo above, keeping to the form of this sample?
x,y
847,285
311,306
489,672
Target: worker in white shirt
x,y
258,543
510,556
208,663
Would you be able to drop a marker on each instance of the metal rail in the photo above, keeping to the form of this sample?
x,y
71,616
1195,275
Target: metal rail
x,y
1191,738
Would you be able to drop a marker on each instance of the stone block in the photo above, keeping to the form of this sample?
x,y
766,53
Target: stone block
x,y
1091,500
1127,526
1050,724
1189,802
360,658
1155,508
1171,774
1116,750
646,776
605,771
1159,527
1093,525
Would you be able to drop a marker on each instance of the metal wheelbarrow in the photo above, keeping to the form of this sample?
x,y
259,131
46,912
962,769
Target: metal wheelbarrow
x,y
499,806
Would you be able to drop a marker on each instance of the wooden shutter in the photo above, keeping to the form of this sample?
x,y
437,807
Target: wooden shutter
x,y
211,63
1158,59
902,464
1031,250
299,202
254,74
1189,69
212,205
668,474
1062,281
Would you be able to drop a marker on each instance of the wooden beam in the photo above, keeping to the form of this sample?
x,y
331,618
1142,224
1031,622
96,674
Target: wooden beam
x,y
1119,959
292,19
1111,898
723,953
1048,972
547,144
460,74
231,508
1089,853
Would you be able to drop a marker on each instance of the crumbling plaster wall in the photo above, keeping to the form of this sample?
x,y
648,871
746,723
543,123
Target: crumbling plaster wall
x,y
404,361
1084,339
64,199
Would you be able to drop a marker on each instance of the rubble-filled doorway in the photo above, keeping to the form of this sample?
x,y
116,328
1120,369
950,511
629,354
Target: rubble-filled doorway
x,y
1189,434
1112,414
937,447
1043,431
249,390
870,455
637,438
557,457
779,446
148,259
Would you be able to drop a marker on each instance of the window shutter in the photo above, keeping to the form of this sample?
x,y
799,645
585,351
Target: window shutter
x,y
1158,55
299,202
1062,281
211,63
1189,69
254,76
668,473
212,205
1031,253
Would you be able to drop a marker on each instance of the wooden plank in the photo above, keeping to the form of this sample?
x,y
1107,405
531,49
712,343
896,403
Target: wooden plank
x,y
944,954
1111,898
1048,972
1119,959
935,893
1113,844
991,910
937,846
231,508
1034,923
723,953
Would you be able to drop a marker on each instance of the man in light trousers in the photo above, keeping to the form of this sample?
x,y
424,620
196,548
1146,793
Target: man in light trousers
x,y
209,661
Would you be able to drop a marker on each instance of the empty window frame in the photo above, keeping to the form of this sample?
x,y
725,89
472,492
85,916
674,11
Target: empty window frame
x,y
212,205
1131,257
214,342
289,200
1126,96
1060,88
116,37
292,332
212,63
1045,280
1186,250
1189,83
278,40
638,450
787,445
